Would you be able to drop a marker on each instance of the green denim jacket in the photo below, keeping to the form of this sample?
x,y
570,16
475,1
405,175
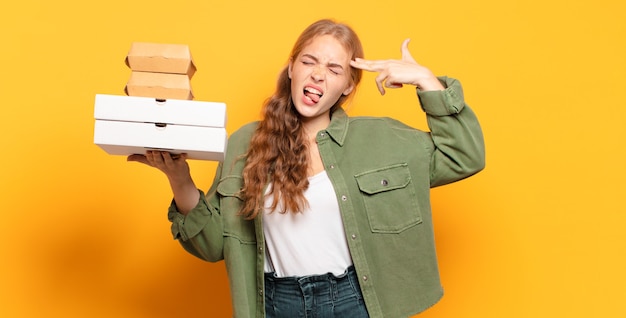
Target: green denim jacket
x,y
382,172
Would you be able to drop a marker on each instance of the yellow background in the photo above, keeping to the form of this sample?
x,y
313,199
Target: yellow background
x,y
540,233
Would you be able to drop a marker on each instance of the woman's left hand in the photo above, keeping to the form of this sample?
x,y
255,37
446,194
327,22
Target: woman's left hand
x,y
396,73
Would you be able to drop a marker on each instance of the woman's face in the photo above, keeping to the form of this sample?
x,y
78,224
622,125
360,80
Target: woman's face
x,y
319,75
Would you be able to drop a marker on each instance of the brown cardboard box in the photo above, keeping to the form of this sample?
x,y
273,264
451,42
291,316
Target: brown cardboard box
x,y
161,58
159,85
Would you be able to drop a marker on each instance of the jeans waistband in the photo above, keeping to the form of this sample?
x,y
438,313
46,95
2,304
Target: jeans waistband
x,y
297,280
323,295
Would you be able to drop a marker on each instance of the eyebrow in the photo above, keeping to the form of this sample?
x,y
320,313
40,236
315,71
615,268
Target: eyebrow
x,y
331,64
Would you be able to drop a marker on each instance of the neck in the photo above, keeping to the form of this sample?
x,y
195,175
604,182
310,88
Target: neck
x,y
313,125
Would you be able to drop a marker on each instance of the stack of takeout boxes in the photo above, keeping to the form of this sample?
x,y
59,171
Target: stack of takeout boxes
x,y
159,113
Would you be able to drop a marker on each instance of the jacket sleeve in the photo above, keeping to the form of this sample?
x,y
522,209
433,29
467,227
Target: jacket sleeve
x,y
459,149
201,231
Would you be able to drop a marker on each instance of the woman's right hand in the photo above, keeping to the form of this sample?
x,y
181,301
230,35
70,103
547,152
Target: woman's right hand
x,y
175,167
177,171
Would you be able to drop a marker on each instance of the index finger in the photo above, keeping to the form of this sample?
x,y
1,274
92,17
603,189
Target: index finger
x,y
169,158
366,65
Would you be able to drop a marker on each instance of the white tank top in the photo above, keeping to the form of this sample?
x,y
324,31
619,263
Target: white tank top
x,y
309,243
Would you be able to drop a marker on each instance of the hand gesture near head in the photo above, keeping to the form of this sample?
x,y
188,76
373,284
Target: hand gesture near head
x,y
396,73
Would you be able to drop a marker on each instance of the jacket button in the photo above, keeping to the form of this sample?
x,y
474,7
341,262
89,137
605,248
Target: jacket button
x,y
384,182
353,236
364,278
344,198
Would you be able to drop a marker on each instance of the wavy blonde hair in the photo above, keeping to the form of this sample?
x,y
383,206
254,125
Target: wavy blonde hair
x,y
278,151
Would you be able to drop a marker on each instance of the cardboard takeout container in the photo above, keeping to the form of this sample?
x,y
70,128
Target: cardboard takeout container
x,y
159,85
127,125
160,58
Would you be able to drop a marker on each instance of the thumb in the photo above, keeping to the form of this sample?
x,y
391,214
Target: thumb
x,y
406,55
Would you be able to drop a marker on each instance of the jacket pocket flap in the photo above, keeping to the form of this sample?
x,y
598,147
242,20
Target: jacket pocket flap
x,y
384,179
230,186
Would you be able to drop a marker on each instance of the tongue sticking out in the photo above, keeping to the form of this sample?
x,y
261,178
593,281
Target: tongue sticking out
x,y
313,97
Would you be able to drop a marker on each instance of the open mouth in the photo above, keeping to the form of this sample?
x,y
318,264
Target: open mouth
x,y
313,94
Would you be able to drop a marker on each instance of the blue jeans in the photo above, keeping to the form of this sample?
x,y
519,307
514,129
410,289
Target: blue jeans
x,y
322,296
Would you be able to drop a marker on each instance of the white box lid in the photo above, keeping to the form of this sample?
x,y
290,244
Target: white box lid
x,y
150,110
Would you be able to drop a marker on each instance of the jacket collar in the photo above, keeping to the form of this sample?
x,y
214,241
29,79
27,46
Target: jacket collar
x,y
338,127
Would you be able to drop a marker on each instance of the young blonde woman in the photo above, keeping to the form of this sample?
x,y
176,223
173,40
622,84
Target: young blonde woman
x,y
318,214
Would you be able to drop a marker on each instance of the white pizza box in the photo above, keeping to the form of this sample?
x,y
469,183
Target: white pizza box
x,y
127,125
151,110
126,138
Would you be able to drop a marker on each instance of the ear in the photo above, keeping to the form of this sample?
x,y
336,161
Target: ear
x,y
289,68
348,90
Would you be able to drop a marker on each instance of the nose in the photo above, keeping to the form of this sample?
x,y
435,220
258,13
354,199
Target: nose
x,y
317,74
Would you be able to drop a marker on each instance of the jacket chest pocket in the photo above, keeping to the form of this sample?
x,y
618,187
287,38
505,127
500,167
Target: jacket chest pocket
x,y
234,224
390,199
229,188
